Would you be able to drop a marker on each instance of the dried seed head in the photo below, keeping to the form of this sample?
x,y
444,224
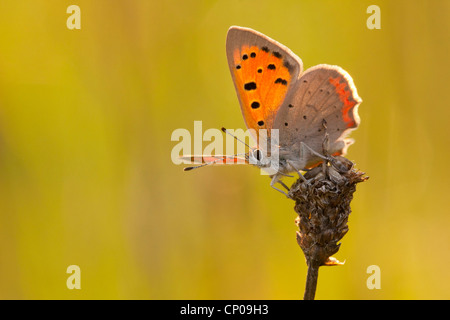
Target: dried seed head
x,y
322,203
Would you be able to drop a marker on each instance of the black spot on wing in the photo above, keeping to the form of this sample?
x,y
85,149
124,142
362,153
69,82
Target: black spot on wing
x,y
282,81
271,67
255,105
260,123
277,54
265,49
288,66
250,86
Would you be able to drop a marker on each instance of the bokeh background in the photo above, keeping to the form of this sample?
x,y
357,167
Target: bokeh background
x,y
86,177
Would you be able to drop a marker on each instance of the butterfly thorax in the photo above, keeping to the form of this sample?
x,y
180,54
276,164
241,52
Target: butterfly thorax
x,y
272,162
284,160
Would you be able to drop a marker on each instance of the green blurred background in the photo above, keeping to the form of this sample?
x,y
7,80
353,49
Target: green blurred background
x,y
86,177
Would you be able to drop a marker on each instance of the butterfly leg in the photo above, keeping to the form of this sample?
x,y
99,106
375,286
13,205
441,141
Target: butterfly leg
x,y
275,179
284,185
326,144
298,171
304,147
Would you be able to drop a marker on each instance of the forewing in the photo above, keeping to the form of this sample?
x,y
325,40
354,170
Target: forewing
x,y
263,71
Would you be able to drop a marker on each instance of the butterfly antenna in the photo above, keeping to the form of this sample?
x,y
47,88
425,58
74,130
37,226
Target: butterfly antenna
x,y
212,162
199,166
227,132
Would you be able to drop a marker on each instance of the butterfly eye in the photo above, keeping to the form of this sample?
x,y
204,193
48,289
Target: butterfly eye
x,y
258,155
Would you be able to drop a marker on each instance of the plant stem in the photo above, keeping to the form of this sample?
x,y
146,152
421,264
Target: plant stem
x,y
311,281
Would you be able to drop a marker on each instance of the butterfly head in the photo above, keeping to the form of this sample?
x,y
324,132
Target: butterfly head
x,y
259,158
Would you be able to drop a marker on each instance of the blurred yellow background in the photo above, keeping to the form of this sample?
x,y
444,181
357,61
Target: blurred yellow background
x,y
86,177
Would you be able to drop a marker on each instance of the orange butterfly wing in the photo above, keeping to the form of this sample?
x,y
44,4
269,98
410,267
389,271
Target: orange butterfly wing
x,y
263,71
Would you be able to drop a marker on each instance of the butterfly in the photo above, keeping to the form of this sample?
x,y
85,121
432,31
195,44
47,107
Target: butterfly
x,y
302,106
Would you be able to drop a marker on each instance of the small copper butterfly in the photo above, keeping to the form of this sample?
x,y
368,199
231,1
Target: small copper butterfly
x,y
275,93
